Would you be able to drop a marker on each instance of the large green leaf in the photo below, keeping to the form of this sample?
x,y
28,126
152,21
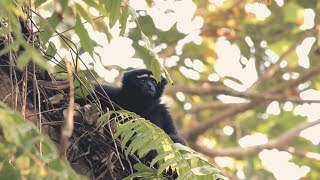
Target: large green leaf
x,y
82,87
23,59
156,71
123,20
48,27
92,3
13,46
85,40
51,50
84,13
37,3
8,170
114,12
205,170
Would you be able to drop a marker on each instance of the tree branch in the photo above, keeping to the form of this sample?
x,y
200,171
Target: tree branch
x,y
275,67
192,133
279,142
249,95
212,105
304,154
306,76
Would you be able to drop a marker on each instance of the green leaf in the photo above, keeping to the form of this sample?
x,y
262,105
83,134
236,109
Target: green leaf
x,y
21,136
51,50
85,40
11,10
83,13
8,170
93,4
168,163
149,146
40,60
104,119
141,143
146,40
39,2
82,86
132,176
23,59
123,20
136,141
181,147
161,157
13,46
155,68
56,165
141,167
64,4
4,30
187,175
220,177
143,171
106,4
48,27
189,156
168,76
30,53
104,28
205,170
29,144
127,127
126,138
115,12
148,136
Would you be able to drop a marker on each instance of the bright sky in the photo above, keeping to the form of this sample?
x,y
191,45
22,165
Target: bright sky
x,y
230,63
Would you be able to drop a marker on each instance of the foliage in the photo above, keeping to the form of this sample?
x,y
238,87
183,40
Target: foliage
x,y
265,49
141,136
26,153
14,28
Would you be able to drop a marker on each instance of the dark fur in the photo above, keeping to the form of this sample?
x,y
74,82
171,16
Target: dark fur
x,y
130,96
134,96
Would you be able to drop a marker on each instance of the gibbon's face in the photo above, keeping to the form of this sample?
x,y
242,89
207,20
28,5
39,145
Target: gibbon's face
x,y
141,82
148,84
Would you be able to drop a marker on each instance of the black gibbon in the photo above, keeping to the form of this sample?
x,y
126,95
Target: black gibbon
x,y
140,93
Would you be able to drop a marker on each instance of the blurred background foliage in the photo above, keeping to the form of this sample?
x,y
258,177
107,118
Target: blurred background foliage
x,y
247,90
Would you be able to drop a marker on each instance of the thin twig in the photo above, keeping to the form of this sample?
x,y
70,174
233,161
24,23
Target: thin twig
x,y
67,129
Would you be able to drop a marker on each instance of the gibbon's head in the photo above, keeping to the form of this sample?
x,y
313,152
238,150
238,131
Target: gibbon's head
x,y
141,82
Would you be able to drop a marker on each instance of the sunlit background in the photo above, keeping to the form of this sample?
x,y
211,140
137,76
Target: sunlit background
x,y
224,63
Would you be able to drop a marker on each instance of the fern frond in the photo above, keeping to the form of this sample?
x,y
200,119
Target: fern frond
x,y
140,136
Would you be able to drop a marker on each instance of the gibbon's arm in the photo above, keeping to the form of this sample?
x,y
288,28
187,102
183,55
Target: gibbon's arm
x,y
169,127
102,92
